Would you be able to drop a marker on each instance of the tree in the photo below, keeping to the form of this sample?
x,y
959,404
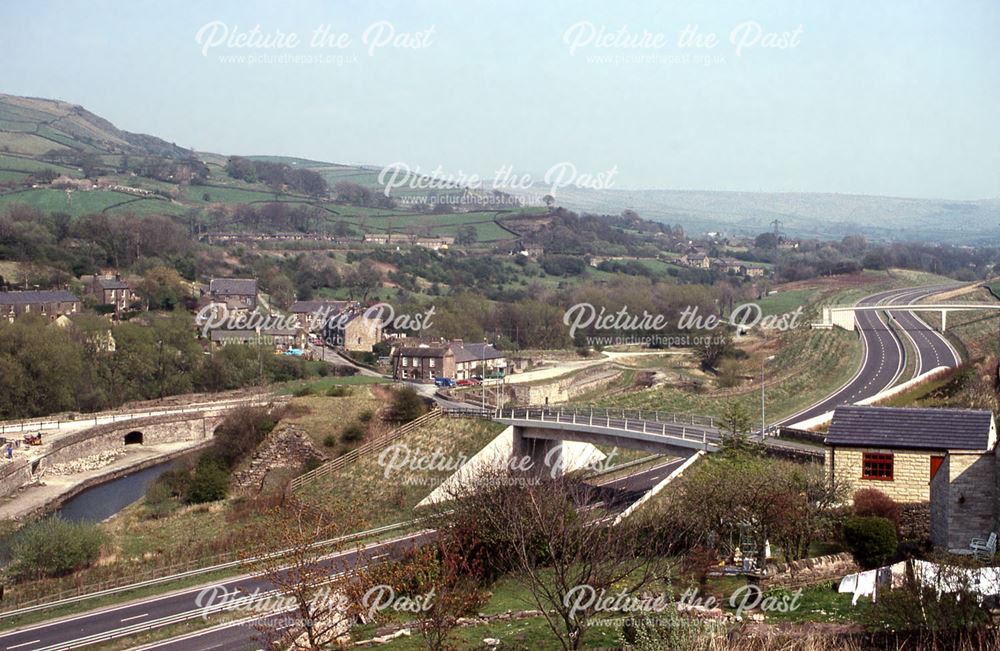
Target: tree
x,y
736,421
163,289
562,554
465,234
789,503
711,347
309,575
54,547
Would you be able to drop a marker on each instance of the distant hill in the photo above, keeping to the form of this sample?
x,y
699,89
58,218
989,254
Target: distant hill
x,y
802,214
37,134
32,126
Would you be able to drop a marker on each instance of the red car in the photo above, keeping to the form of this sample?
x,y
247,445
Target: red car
x,y
468,383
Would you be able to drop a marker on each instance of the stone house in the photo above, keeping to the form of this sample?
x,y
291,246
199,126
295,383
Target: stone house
x,y
477,359
752,271
50,303
965,497
353,329
313,315
899,451
111,290
234,293
424,362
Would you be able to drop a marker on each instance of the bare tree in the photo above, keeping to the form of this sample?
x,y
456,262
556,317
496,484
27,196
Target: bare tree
x,y
310,578
566,551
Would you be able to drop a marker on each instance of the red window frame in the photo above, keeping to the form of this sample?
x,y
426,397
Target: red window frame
x,y
876,466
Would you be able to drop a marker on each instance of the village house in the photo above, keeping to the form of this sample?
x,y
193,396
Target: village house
x,y
352,329
900,451
696,260
234,293
312,315
727,265
752,271
477,359
110,289
50,303
423,362
450,359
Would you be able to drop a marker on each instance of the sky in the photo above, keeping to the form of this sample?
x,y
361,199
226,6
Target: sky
x,y
894,98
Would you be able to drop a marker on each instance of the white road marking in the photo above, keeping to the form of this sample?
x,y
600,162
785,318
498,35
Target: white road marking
x,y
128,619
17,646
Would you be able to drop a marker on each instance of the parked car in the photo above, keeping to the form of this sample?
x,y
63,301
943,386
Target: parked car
x,y
471,382
444,382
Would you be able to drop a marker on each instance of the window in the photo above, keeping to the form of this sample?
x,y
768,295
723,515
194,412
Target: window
x,y
406,361
876,466
431,362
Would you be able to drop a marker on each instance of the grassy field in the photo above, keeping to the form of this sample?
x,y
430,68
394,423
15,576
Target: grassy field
x,y
326,416
84,203
384,500
21,164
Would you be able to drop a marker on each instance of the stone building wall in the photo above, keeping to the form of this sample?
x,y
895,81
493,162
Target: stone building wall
x,y
911,472
965,506
561,391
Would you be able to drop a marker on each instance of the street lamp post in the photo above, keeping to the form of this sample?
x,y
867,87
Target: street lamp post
x,y
763,420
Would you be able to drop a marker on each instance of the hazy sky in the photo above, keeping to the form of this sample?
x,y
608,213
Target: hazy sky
x,y
894,98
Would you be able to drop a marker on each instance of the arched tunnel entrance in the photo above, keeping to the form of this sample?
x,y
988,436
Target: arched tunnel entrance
x,y
133,438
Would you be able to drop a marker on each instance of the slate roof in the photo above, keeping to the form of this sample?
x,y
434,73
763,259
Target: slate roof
x,y
910,428
475,352
423,351
25,298
112,283
233,286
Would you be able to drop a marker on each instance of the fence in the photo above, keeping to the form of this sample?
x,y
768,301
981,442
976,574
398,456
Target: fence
x,y
368,448
627,420
93,421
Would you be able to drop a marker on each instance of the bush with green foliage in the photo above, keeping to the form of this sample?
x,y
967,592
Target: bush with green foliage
x,y
352,433
54,547
329,441
338,391
209,483
406,405
872,540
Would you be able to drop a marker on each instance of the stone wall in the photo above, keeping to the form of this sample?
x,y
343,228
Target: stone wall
x,y
964,502
911,472
14,473
809,571
286,448
561,391
110,437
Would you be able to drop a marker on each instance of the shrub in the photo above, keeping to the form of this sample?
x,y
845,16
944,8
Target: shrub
x,y
406,404
241,432
871,540
352,433
366,416
54,547
329,441
871,502
209,483
302,391
338,391
160,500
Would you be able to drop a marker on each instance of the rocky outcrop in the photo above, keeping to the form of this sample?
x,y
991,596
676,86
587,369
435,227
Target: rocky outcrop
x,y
288,449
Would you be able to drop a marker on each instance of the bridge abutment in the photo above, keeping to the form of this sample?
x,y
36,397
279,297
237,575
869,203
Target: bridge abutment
x,y
545,455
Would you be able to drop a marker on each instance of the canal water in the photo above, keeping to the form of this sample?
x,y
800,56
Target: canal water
x,y
104,500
